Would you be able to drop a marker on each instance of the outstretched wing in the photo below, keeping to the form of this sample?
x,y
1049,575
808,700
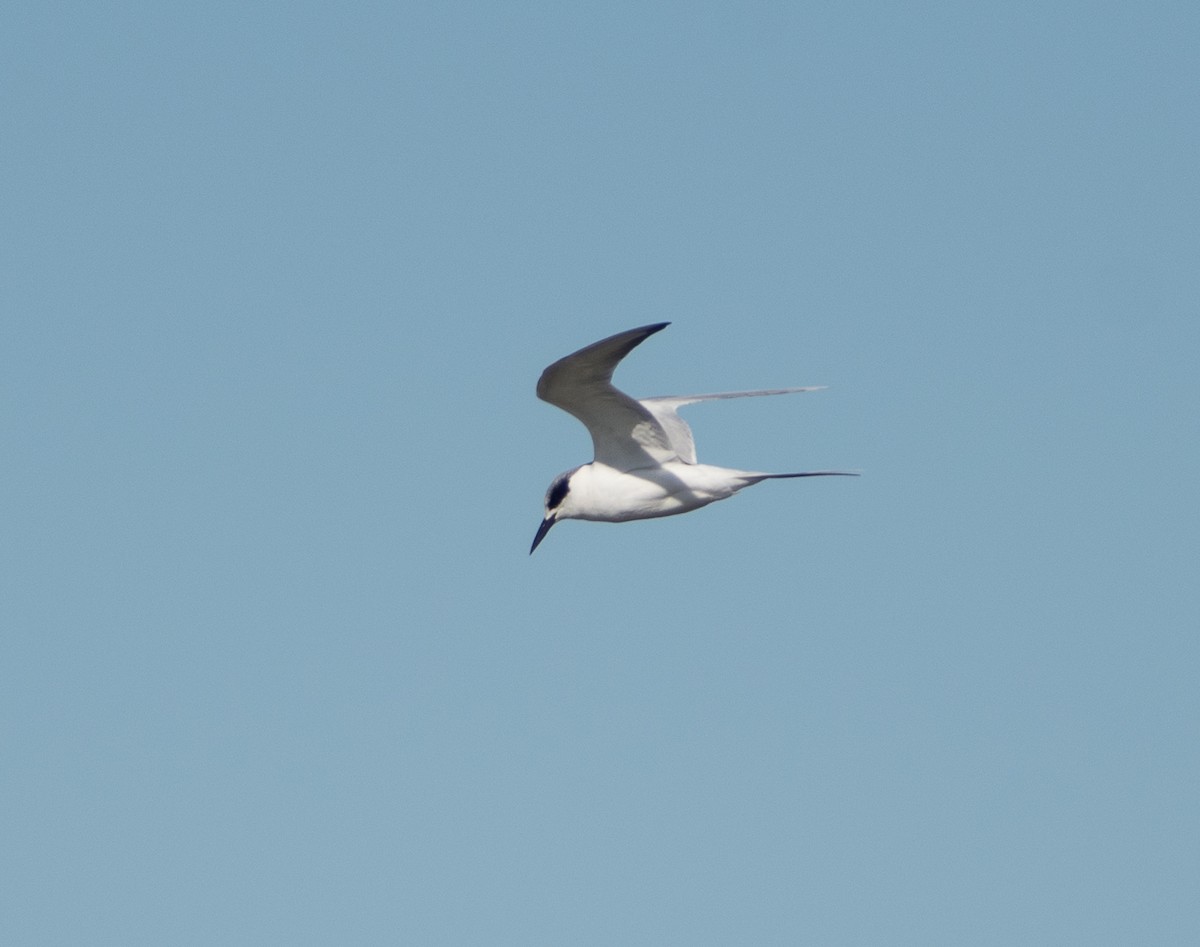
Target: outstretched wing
x,y
679,435
625,434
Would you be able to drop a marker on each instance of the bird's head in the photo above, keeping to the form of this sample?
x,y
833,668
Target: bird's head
x,y
557,507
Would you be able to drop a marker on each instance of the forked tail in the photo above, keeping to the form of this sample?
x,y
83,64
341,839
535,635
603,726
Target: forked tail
x,y
810,473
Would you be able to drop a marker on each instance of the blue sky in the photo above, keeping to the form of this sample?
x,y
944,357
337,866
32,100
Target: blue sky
x,y
278,283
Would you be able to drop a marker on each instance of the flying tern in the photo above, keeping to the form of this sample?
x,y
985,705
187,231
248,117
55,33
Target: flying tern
x,y
645,461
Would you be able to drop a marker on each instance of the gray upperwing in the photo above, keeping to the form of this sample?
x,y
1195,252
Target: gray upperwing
x,y
665,410
625,434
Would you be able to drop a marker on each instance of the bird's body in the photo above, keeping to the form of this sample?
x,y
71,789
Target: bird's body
x,y
603,493
645,459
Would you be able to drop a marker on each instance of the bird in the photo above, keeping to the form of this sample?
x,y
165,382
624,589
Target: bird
x,y
645,458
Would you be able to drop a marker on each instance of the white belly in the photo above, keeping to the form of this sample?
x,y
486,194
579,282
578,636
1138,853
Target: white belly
x,y
613,496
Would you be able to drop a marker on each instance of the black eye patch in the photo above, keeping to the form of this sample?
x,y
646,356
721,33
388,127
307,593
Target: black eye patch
x,y
557,492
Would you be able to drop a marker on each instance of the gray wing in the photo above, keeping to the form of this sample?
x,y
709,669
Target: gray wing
x,y
625,434
679,435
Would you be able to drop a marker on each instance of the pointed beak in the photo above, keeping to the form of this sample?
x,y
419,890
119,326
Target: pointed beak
x,y
542,531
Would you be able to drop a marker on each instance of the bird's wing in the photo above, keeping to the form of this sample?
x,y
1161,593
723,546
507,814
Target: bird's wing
x,y
625,434
679,435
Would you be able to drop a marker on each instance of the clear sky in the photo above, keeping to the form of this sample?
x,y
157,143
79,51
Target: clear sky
x,y
278,281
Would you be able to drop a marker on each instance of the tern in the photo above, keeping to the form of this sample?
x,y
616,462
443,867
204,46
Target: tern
x,y
645,459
